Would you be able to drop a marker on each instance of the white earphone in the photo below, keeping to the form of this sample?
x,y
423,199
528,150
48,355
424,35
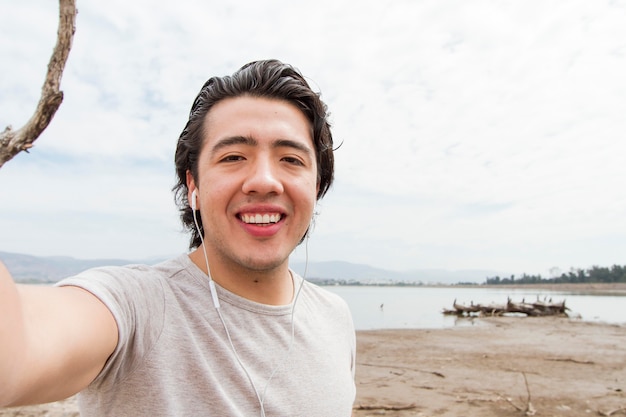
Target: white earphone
x,y
194,196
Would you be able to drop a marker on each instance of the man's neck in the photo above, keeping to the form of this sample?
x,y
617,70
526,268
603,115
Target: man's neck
x,y
274,286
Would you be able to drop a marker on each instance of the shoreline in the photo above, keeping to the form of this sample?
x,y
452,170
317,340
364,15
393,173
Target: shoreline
x,y
617,288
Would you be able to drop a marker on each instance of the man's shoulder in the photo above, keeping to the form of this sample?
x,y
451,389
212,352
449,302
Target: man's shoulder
x,y
325,296
131,274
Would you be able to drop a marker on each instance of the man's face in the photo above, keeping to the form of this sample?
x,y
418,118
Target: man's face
x,y
257,181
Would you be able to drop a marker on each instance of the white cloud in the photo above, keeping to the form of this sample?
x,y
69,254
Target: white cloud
x,y
478,134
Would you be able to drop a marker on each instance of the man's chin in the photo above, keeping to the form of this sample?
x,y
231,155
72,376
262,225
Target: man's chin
x,y
264,265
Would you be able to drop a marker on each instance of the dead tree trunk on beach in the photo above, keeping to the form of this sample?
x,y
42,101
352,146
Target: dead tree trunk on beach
x,y
535,309
12,141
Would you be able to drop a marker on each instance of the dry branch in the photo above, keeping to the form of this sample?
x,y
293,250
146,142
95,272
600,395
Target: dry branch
x,y
610,413
528,410
571,360
12,141
538,308
404,368
386,407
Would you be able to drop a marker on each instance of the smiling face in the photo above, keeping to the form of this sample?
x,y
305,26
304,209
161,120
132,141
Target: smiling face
x,y
256,183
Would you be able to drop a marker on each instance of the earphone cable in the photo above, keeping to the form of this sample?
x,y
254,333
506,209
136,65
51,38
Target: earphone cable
x,y
216,303
293,309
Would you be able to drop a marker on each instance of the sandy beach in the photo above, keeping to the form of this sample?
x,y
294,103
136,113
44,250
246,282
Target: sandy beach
x,y
504,366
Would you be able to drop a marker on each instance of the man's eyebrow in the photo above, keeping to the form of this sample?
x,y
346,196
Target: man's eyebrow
x,y
286,143
249,141
233,140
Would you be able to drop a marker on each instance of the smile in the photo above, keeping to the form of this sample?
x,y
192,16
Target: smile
x,y
260,219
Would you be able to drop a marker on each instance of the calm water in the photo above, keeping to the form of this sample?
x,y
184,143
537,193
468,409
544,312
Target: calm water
x,y
420,307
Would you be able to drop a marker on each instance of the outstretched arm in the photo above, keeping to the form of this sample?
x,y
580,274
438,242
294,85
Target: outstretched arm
x,y
55,341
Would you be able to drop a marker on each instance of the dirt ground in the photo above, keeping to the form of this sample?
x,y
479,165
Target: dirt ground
x,y
506,366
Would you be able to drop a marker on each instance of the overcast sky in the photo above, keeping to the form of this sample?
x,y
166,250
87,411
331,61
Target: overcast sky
x,y
476,134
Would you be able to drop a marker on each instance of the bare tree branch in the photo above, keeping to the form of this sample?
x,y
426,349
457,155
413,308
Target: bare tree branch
x,y
385,407
13,142
529,410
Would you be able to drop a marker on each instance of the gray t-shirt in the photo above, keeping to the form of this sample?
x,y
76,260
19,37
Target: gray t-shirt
x,y
173,357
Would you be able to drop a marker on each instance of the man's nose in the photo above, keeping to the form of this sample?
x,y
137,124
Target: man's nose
x,y
263,178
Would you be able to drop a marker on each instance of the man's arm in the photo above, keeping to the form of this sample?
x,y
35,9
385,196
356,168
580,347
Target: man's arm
x,y
54,341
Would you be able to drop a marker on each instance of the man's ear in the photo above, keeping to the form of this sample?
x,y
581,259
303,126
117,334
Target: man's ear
x,y
191,187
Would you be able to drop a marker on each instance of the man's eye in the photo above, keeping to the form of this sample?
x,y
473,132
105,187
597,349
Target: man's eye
x,y
232,158
292,160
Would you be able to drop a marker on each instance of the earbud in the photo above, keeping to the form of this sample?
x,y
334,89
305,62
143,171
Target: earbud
x,y
194,196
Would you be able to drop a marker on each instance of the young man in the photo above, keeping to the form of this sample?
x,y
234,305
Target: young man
x,y
229,329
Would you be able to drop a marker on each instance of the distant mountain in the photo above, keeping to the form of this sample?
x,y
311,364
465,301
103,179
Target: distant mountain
x,y
346,271
339,270
444,276
37,269
28,268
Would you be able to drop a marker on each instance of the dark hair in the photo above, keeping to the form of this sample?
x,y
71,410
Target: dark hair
x,y
267,79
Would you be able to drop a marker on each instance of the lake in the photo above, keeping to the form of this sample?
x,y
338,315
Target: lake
x,y
420,307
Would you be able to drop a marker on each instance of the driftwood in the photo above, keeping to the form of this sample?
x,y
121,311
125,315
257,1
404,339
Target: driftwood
x,y
537,308
403,368
610,413
528,409
12,141
385,407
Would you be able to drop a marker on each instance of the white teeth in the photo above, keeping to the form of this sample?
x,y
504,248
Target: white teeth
x,y
260,218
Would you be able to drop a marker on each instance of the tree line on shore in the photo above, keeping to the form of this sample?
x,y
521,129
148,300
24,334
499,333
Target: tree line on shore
x,y
595,274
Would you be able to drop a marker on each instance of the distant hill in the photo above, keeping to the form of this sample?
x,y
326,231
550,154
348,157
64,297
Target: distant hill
x,y
346,271
37,269
339,270
28,268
